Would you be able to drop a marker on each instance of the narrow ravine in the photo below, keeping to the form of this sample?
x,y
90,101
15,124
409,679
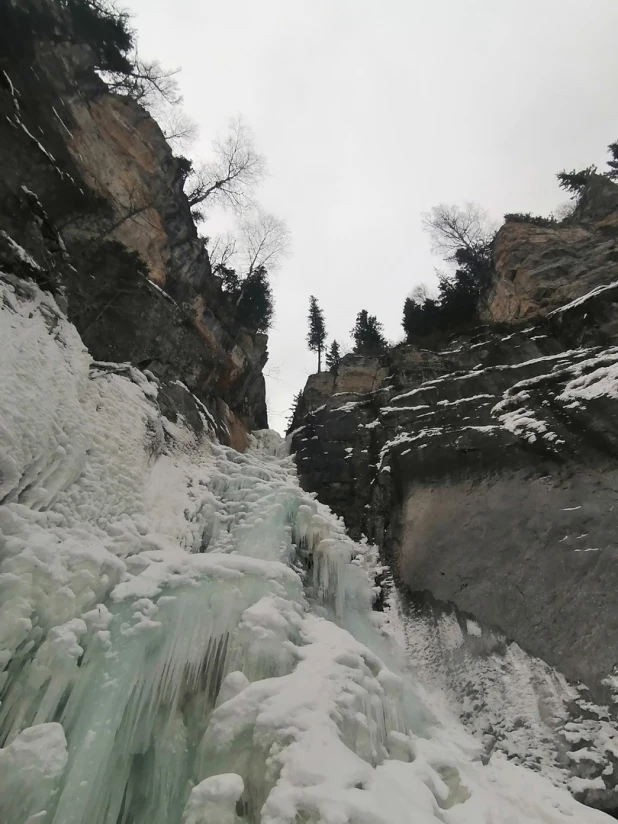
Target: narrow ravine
x,y
189,636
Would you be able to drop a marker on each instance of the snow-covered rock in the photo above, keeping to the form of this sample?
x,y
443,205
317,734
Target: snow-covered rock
x,y
199,629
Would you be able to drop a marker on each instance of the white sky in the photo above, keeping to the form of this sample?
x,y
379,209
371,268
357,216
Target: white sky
x,y
372,111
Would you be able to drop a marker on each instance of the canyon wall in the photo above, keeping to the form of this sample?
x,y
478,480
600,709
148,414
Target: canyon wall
x,y
487,469
93,193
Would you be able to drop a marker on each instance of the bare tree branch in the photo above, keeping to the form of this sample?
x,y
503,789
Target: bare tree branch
x,y
452,227
230,179
262,241
221,251
146,82
564,210
265,241
178,128
420,293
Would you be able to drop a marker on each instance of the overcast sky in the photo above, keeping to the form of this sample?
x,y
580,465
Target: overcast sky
x,y
371,111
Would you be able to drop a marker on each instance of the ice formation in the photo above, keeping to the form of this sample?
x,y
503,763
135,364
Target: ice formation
x,y
187,636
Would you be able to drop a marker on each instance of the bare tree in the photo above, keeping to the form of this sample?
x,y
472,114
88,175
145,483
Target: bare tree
x,y
564,211
262,242
146,82
453,227
178,128
265,241
230,179
420,293
222,250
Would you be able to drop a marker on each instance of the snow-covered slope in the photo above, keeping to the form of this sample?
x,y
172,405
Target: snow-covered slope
x,y
188,636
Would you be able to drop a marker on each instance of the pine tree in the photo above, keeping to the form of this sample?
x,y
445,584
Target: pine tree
x,y
575,182
254,305
297,402
317,330
613,163
368,336
333,357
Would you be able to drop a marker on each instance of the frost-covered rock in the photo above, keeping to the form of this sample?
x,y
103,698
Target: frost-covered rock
x,y
29,769
214,799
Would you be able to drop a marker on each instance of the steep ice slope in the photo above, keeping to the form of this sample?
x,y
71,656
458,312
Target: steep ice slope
x,y
187,636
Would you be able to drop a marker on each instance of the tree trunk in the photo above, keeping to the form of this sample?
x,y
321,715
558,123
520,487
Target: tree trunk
x,y
319,359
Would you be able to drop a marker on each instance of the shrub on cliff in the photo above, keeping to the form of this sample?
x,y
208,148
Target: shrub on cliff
x,y
420,317
455,306
255,306
251,296
464,237
93,23
105,29
368,335
613,163
297,404
242,261
535,220
333,357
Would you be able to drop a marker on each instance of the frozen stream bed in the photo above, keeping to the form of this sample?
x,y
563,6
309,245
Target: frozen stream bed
x,y
187,636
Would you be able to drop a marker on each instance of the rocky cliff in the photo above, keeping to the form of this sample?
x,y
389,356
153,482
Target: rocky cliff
x,y
486,471
92,192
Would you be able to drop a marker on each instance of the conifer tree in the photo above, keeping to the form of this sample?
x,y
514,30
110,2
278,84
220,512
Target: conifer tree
x,y
317,330
613,163
254,304
368,336
333,357
575,182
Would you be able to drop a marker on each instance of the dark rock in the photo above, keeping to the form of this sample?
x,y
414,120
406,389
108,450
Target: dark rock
x,y
92,193
487,473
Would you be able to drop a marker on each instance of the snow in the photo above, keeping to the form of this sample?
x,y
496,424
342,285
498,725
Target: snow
x,y
600,381
579,785
186,635
347,407
473,628
62,123
214,800
465,400
598,290
389,410
20,252
29,768
161,291
16,120
462,376
522,422
372,424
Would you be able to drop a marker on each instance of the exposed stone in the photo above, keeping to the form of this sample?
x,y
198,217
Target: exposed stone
x,y
486,471
82,167
542,268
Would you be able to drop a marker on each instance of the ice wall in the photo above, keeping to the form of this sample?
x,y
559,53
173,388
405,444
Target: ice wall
x,y
187,636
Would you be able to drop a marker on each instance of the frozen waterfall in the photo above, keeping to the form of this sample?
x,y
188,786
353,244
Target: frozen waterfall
x,y
187,636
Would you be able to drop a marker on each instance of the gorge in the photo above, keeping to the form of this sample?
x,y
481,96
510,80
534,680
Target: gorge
x,y
403,612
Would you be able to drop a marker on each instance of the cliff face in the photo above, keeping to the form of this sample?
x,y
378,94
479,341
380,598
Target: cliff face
x,y
487,473
88,182
540,269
